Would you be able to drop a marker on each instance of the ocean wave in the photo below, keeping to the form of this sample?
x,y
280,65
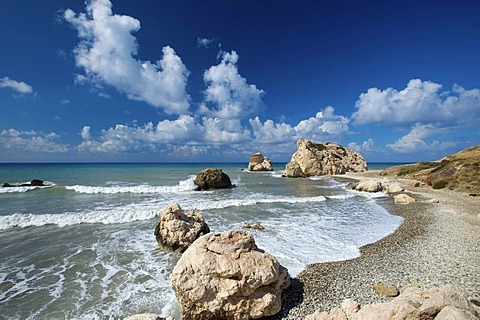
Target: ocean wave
x,y
184,185
136,212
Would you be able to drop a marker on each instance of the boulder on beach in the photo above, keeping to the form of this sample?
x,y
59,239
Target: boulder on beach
x,y
212,178
316,159
403,199
414,303
226,276
258,162
177,230
369,186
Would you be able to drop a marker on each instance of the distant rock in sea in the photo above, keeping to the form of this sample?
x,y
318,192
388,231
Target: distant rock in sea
x,y
226,276
33,183
316,159
212,178
258,162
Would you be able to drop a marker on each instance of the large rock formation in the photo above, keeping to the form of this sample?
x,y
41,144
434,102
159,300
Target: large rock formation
x,y
459,171
177,230
315,159
226,276
258,162
212,178
414,303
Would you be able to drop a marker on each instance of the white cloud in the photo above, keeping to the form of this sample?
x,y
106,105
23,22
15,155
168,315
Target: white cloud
x,y
420,102
417,140
31,141
107,53
270,132
325,126
224,131
204,42
18,86
228,93
64,101
365,147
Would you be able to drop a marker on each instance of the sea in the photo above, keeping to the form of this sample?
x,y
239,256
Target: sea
x,y
83,246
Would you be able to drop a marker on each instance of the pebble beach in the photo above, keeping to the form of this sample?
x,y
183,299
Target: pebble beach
x,y
437,244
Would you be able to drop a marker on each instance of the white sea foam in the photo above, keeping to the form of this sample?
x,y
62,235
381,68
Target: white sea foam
x,y
25,189
137,211
184,185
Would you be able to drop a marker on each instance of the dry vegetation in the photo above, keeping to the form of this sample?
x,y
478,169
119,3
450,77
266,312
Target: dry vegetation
x,y
459,171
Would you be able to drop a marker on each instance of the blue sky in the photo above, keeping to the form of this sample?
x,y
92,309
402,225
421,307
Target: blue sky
x,y
103,80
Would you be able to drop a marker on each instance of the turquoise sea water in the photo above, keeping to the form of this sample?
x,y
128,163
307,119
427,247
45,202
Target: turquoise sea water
x,y
83,246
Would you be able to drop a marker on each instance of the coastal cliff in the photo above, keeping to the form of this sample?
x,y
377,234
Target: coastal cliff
x,y
316,159
459,171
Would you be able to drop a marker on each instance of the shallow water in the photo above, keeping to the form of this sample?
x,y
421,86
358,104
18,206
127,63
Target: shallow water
x,y
83,247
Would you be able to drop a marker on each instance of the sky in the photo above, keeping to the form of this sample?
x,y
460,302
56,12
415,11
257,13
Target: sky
x,y
215,81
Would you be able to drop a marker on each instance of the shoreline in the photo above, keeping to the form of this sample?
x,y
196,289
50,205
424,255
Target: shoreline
x,y
437,244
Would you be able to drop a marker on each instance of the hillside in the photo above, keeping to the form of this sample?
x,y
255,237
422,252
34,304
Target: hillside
x,y
459,171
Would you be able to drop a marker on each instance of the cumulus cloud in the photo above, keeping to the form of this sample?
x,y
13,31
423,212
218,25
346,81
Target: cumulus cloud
x,y
366,146
228,95
31,141
420,102
418,139
324,126
270,132
17,86
107,51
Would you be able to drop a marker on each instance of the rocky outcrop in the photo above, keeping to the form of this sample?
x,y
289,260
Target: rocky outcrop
x,y
33,183
414,303
212,178
258,162
226,276
177,230
315,159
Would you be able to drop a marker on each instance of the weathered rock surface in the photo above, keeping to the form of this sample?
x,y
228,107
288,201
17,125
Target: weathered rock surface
x,y
403,199
177,230
212,178
315,159
226,276
385,290
258,162
414,303
369,186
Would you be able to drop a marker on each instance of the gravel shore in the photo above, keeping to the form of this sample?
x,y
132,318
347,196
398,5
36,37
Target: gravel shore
x,y
438,244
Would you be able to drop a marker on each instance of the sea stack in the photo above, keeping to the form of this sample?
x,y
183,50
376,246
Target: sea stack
x,y
316,159
258,162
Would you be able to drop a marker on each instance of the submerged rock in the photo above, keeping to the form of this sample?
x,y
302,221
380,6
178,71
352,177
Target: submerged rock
x,y
212,178
315,159
226,276
177,230
258,162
